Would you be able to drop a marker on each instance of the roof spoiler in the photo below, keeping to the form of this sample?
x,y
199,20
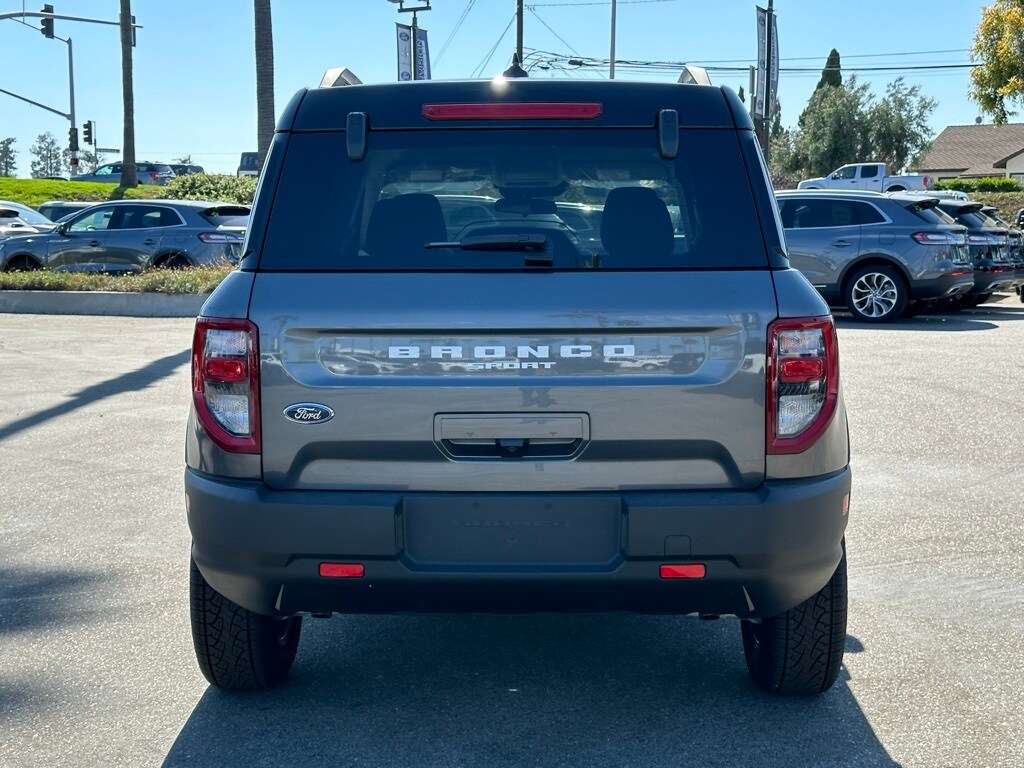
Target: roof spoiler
x,y
694,76
337,76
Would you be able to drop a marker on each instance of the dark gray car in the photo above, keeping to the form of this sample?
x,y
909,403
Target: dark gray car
x,y
128,236
147,173
880,256
389,417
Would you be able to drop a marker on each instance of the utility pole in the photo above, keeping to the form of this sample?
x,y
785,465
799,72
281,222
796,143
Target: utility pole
x,y
519,30
71,109
611,55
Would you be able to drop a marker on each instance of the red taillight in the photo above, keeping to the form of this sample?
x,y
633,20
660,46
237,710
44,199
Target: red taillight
x,y
220,237
684,571
513,111
154,175
342,570
934,238
225,383
803,382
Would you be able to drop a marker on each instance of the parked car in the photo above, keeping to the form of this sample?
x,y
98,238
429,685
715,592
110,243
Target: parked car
x,y
386,420
871,177
184,170
17,219
148,173
58,209
249,164
879,256
1016,241
130,235
989,246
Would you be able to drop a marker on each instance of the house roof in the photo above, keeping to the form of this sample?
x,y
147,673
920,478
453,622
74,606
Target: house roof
x,y
974,150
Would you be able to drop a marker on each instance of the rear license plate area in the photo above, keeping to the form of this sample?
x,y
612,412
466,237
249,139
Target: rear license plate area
x,y
527,532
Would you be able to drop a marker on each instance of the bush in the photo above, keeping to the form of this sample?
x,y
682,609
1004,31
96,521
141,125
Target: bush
x,y
989,184
213,187
189,280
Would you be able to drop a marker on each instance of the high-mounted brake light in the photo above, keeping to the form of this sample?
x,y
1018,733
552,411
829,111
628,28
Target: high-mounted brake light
x,y
513,111
225,382
803,382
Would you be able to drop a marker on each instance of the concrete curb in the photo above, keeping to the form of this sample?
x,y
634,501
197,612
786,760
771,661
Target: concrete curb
x,y
101,303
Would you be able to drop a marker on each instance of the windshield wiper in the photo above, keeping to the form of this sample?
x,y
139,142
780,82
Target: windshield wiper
x,y
496,243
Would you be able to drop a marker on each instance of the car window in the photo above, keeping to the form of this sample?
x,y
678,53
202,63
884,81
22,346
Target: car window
x,y
848,172
868,171
868,214
26,214
930,213
105,170
812,213
146,217
93,221
387,212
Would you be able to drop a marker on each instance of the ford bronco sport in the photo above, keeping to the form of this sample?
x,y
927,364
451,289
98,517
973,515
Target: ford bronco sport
x,y
437,396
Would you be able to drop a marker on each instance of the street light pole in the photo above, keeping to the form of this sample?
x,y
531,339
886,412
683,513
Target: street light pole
x,y
611,56
519,30
71,103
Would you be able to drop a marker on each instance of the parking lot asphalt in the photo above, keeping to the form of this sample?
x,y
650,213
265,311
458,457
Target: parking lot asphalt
x,y
97,668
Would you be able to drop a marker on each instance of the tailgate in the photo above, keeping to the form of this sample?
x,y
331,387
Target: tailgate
x,y
527,381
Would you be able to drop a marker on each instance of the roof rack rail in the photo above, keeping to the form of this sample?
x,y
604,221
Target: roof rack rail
x,y
694,76
338,76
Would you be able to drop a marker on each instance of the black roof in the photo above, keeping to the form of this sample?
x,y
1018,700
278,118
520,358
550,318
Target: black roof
x,y
623,104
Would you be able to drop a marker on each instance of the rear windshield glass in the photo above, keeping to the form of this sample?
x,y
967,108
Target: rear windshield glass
x,y
976,220
590,199
930,213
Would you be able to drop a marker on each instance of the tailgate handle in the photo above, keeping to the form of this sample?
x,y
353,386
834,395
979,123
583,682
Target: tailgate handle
x,y
511,436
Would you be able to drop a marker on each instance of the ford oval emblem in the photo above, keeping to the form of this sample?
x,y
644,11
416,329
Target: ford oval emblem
x,y
308,413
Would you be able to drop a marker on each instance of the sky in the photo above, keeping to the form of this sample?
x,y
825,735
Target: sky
x,y
195,81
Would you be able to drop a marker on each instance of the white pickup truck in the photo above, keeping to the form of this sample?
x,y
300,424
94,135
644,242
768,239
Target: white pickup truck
x,y
867,176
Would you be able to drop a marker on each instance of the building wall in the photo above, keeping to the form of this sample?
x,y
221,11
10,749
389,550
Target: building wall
x,y
1015,168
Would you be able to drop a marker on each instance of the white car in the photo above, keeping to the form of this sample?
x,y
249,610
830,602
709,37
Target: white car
x,y
872,177
18,219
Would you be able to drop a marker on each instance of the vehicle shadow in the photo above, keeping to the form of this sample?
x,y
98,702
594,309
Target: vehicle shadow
x,y
983,318
611,690
128,382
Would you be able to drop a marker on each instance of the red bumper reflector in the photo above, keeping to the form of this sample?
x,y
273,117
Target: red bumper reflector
x,y
846,504
342,570
513,111
225,369
686,571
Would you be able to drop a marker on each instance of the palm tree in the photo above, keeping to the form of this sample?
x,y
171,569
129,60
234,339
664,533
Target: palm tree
x,y
129,177
264,77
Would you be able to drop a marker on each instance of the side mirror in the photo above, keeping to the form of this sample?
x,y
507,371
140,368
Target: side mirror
x,y
61,229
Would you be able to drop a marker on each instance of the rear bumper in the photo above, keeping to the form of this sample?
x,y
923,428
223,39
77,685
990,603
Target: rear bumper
x,y
991,281
765,550
944,286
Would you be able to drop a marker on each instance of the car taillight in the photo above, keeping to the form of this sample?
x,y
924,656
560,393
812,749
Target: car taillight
x,y
225,382
154,175
803,382
934,238
220,237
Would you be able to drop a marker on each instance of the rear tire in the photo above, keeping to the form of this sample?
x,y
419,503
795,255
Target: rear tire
x,y
876,294
22,264
237,649
174,261
915,308
801,651
977,299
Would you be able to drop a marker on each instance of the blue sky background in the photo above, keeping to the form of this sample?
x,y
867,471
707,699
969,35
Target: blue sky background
x,y
195,84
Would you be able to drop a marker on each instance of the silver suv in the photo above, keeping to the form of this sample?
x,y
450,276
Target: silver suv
x,y
397,412
880,256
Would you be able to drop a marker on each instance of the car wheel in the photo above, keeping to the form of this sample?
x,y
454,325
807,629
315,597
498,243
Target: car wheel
x,y
876,294
977,299
915,308
237,649
22,264
896,188
177,261
801,651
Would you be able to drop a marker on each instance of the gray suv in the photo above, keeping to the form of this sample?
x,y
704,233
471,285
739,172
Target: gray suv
x,y
132,235
396,412
880,256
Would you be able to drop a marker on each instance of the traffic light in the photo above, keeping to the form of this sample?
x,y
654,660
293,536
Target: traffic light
x,y
47,24
73,139
87,133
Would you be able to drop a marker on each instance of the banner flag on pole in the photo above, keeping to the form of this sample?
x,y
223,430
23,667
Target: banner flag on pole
x,y
770,108
403,35
421,54
762,61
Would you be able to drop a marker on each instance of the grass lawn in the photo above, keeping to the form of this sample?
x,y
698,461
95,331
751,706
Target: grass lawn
x,y
190,280
34,192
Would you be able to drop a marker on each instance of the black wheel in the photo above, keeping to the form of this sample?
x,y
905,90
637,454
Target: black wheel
x,y
177,261
915,308
977,299
896,188
876,294
236,648
801,651
21,264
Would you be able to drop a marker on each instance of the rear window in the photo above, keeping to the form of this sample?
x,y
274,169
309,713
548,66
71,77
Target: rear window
x,y
930,213
594,199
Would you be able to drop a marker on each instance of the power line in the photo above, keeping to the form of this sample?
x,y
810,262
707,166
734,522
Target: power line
x,y
487,59
600,2
561,39
455,29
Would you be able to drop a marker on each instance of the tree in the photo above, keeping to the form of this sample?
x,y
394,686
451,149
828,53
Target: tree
x,y
183,160
49,160
999,50
87,158
898,124
8,157
264,77
129,171
832,132
831,74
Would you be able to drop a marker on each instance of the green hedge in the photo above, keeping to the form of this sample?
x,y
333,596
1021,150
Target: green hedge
x,y
989,184
212,186
189,280
34,192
